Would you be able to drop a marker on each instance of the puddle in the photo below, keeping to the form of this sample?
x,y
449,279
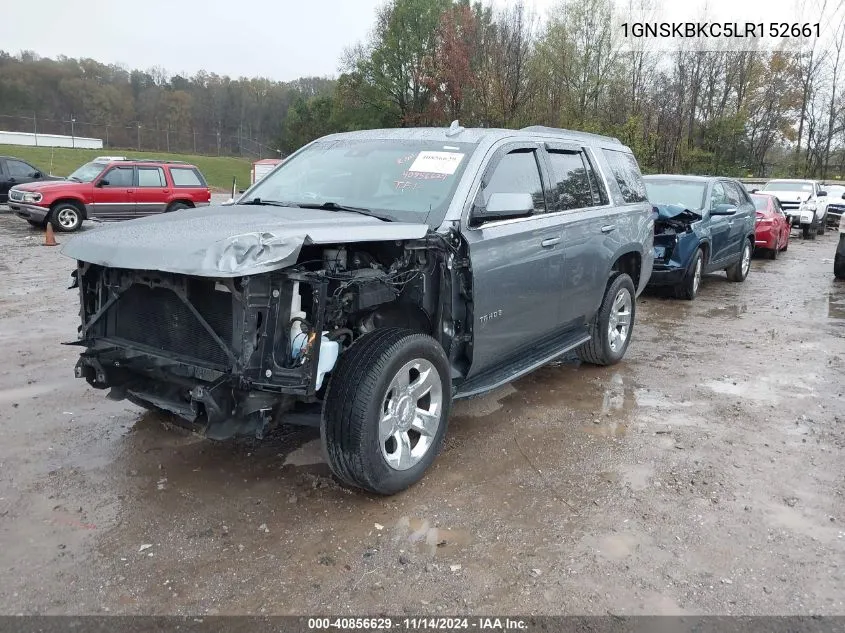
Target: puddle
x,y
429,538
733,311
606,428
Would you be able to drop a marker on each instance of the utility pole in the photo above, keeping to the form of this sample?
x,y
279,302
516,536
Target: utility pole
x,y
139,136
35,128
72,135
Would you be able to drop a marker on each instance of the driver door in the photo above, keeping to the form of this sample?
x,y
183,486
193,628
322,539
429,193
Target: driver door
x,y
517,263
114,194
720,229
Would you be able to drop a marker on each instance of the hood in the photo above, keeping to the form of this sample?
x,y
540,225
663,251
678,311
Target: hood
x,y
228,241
789,196
670,211
48,183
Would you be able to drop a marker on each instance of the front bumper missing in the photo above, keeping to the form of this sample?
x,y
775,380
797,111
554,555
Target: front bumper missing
x,y
219,399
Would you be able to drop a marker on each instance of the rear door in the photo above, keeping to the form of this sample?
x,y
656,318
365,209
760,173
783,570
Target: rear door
x,y
152,191
720,229
580,200
517,263
114,194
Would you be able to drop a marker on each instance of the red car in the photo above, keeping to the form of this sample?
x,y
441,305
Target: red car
x,y
772,227
109,189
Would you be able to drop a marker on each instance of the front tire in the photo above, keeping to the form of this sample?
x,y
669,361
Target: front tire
x,y
613,324
66,217
823,224
839,267
739,271
386,410
688,289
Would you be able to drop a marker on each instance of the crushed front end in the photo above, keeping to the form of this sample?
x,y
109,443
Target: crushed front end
x,y
236,355
215,352
675,241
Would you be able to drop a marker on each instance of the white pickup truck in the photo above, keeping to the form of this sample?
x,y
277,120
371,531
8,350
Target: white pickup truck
x,y
803,201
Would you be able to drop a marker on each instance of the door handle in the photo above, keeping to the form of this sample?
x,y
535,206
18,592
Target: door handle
x,y
549,241
608,228
165,190
130,191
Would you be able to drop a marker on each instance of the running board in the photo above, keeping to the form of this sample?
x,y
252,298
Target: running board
x,y
525,363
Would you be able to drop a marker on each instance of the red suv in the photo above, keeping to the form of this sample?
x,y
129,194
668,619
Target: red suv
x,y
109,189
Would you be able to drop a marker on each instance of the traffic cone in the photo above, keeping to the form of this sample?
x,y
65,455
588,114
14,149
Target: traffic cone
x,y
49,237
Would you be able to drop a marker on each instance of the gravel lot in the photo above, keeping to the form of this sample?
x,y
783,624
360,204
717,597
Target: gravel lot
x,y
704,474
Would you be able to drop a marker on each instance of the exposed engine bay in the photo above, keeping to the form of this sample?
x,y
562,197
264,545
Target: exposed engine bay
x,y
671,224
233,356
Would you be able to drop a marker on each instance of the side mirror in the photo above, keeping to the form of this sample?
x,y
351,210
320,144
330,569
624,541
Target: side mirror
x,y
102,183
843,196
754,191
504,205
821,194
723,209
35,174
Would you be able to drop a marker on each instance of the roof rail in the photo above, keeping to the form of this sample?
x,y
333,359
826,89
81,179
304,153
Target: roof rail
x,y
544,129
157,160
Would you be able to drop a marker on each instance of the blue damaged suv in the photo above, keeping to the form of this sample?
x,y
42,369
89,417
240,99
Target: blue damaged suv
x,y
701,225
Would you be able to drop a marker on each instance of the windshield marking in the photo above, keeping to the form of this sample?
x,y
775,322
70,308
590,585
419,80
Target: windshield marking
x,y
436,162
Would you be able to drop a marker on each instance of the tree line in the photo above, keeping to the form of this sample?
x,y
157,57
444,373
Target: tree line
x,y
763,112
148,110
427,62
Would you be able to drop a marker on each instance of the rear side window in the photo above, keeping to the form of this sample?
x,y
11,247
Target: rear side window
x,y
151,177
517,172
627,174
575,182
186,177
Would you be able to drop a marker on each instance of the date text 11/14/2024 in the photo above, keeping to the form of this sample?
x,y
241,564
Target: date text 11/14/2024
x,y
418,624
717,30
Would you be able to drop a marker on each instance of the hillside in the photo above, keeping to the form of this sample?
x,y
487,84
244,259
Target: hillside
x,y
60,161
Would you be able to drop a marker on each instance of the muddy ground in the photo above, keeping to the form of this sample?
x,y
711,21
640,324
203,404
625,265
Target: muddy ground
x,y
704,474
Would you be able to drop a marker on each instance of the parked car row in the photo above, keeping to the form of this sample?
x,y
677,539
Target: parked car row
x,y
107,188
376,276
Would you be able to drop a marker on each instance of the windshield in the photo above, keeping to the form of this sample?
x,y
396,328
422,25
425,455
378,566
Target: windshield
x,y
761,203
689,195
788,186
408,181
87,172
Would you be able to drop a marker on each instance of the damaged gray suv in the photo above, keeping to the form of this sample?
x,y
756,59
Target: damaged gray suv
x,y
366,283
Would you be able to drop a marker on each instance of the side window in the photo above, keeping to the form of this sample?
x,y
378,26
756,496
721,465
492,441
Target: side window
x,y
718,196
575,185
120,176
627,174
186,177
19,169
517,172
734,196
151,177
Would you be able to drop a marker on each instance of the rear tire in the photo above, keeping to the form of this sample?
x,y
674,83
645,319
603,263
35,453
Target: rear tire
x,y
823,224
616,314
66,217
386,410
774,252
176,206
688,289
739,271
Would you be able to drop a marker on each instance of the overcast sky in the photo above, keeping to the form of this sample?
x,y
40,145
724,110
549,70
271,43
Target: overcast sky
x,y
280,39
